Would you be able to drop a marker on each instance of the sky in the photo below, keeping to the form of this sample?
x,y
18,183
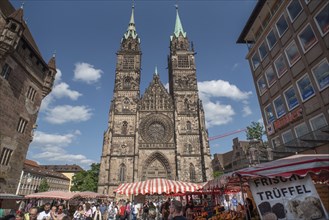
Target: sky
x,y
85,36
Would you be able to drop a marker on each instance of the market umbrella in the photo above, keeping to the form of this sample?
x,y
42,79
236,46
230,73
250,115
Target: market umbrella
x,y
157,186
90,195
300,164
65,195
6,196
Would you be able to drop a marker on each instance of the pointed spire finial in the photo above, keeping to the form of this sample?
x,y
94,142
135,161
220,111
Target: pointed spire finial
x,y
131,31
22,5
178,25
54,54
156,70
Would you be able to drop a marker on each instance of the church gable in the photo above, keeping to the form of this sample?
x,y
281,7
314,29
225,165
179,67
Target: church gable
x,y
156,97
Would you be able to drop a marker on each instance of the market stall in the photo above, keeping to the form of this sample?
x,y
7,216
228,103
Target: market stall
x,y
157,186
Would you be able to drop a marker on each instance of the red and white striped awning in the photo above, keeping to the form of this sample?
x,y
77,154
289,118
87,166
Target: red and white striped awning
x,y
300,164
157,186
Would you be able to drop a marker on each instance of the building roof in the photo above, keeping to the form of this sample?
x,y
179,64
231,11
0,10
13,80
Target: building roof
x,y
250,22
8,10
33,167
63,168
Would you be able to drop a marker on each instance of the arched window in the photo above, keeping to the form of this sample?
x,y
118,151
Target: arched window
x,y
124,129
125,105
129,46
122,173
189,148
186,104
188,126
126,83
192,173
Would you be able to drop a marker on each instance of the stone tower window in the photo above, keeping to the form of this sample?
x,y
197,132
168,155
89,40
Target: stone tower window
x,y
21,125
124,129
13,26
186,105
5,156
122,173
5,71
129,46
126,83
31,92
188,126
192,173
126,103
128,62
183,61
189,148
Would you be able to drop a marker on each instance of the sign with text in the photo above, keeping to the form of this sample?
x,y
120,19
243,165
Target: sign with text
x,y
291,198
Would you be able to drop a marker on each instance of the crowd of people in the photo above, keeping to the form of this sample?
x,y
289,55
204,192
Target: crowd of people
x,y
121,210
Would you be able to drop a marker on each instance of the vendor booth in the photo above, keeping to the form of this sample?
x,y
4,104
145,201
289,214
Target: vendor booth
x,y
294,187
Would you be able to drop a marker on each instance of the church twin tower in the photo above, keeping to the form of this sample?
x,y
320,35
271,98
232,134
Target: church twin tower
x,y
158,134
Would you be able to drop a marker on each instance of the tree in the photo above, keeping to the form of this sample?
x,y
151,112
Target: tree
x,y
43,187
218,173
255,131
86,180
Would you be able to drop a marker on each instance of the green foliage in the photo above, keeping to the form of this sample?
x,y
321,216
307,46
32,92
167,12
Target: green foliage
x,y
43,187
255,131
86,180
218,174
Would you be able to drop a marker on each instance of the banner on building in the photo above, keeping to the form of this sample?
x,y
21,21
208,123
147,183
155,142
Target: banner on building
x,y
292,198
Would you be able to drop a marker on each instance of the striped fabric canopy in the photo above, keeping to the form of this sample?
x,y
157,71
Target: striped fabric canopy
x,y
157,186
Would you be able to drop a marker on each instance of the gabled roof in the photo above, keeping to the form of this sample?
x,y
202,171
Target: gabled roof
x,y
31,166
156,94
63,168
8,10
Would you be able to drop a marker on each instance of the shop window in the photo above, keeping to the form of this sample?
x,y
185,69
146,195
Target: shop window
x,y
301,129
291,98
276,142
280,109
305,88
287,136
5,71
255,60
280,66
318,122
5,156
269,114
322,20
271,39
281,25
321,74
262,50
292,53
294,9
270,76
307,38
261,85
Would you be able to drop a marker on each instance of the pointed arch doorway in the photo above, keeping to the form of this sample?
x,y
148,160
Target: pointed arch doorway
x,y
156,166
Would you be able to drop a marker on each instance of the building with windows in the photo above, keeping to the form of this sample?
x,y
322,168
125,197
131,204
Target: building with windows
x,y
160,134
25,79
288,53
32,176
66,170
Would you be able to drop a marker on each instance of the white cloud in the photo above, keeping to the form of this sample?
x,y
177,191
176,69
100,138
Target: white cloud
x,y
246,111
50,140
58,76
221,88
62,90
217,114
67,113
53,146
87,73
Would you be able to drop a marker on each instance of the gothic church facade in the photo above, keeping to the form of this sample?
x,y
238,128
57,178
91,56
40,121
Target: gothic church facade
x,y
159,134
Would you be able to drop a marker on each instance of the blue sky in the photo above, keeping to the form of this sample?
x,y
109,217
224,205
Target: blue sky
x,y
86,35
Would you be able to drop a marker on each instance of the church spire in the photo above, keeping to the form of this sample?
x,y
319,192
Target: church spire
x,y
178,26
131,31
